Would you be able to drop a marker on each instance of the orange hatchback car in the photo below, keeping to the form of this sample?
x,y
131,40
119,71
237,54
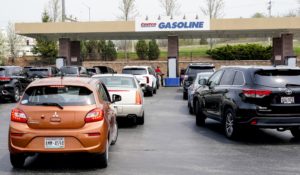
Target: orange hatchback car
x,y
63,115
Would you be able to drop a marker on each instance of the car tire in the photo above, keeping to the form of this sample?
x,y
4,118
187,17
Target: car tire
x,y
150,93
103,159
200,117
141,120
17,160
115,137
185,95
295,132
230,127
154,91
16,95
191,110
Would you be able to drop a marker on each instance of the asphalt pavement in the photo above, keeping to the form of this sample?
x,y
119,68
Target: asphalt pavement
x,y
170,143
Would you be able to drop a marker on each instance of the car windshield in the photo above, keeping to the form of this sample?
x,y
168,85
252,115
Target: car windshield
x,y
203,76
277,78
135,71
41,71
115,81
2,72
69,70
62,95
192,70
91,70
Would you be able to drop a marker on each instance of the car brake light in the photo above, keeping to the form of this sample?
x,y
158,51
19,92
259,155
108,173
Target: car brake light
x,y
253,93
94,116
147,80
5,78
138,98
18,115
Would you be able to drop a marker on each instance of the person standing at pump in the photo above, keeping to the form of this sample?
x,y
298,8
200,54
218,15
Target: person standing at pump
x,y
159,72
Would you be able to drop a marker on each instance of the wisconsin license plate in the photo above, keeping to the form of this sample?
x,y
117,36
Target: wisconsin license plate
x,y
54,143
287,100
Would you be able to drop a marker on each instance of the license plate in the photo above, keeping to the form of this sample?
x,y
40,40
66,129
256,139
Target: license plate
x,y
54,143
287,100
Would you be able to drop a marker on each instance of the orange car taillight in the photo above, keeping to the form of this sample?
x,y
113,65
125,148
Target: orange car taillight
x,y
18,115
253,93
94,116
138,98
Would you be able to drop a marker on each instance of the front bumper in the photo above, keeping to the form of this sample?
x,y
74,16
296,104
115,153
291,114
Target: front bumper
x,y
76,140
129,110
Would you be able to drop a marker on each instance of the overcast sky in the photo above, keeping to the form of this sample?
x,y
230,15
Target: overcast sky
x,y
30,10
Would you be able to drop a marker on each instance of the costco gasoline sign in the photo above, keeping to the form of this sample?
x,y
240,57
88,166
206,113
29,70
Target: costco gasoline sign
x,y
171,25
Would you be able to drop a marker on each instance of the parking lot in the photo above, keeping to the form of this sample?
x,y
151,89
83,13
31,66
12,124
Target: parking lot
x,y
170,143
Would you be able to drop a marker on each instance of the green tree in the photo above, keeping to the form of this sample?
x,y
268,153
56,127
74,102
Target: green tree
x,y
154,52
110,51
258,15
141,49
44,47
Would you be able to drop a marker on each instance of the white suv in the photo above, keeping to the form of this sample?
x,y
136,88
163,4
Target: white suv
x,y
145,75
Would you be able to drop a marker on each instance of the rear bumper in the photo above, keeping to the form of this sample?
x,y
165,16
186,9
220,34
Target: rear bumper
x,y
274,122
76,140
253,118
6,91
147,88
129,110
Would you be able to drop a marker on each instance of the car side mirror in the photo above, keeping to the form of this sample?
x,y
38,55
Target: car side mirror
x,y
116,98
203,82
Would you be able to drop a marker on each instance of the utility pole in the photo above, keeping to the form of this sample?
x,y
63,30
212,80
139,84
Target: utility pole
x,y
63,11
270,8
89,10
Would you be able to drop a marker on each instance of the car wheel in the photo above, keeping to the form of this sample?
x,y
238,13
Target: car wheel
x,y
191,110
141,120
104,157
295,132
154,91
185,95
231,129
200,117
150,93
16,95
115,137
17,160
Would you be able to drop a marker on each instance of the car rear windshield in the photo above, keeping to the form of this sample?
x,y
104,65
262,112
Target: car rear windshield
x,y
69,70
135,71
63,95
38,71
114,81
277,78
197,69
2,72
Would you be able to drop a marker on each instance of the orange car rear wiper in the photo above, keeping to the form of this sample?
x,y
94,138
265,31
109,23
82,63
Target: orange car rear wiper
x,y
52,104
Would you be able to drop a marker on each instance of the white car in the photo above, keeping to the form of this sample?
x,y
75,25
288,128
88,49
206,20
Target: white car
x,y
145,75
132,104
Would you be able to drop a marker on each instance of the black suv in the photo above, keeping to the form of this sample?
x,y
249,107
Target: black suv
x,y
105,69
43,72
191,73
245,97
74,71
12,82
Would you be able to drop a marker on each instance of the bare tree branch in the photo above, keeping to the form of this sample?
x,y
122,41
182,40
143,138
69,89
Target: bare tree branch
x,y
170,7
55,10
213,8
2,49
13,40
128,10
